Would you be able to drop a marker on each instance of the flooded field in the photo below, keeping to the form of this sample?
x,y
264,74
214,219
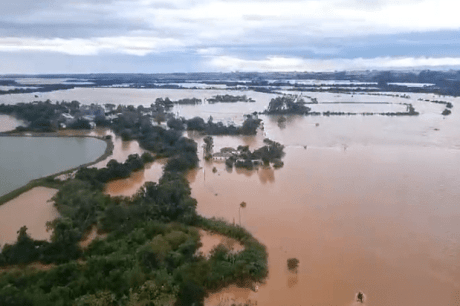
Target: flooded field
x,y
377,219
32,209
364,203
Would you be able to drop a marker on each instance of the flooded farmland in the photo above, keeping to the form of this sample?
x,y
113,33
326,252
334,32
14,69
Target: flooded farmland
x,y
364,203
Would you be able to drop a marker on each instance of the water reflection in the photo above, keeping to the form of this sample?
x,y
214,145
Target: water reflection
x,y
293,279
266,175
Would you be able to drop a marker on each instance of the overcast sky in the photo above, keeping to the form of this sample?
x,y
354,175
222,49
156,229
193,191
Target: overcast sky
x,y
148,36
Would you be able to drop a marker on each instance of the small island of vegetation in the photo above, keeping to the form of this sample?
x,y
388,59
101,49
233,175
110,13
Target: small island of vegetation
x,y
296,105
287,104
229,99
242,157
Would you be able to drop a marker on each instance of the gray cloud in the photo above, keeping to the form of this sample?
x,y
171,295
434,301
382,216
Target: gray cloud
x,y
249,30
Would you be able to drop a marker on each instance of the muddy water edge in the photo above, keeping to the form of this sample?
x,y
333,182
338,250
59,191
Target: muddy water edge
x,y
365,204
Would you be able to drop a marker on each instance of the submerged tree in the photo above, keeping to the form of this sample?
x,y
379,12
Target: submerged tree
x,y
360,297
209,144
292,264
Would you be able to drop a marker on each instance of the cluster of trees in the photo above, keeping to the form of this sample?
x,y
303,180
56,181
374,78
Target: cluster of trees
x,y
167,103
447,104
272,152
40,115
229,99
80,124
249,126
209,144
329,113
114,169
163,142
149,257
287,105
186,101
25,88
45,116
446,112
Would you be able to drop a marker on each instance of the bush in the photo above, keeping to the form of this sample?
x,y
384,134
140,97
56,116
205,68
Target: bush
x,y
446,112
292,264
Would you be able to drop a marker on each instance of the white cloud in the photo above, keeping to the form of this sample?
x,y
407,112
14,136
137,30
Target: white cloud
x,y
211,27
209,51
92,46
277,63
235,21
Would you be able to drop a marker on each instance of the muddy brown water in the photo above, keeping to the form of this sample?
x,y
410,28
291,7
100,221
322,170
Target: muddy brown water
x,y
129,186
32,209
121,149
383,229
365,203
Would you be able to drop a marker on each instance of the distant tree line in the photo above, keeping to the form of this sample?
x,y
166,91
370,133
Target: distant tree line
x,y
41,116
114,170
249,126
229,99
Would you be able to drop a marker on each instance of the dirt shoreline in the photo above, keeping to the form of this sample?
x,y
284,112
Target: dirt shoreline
x,y
40,181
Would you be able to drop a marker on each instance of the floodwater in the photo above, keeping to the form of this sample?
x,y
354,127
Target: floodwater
x,y
32,209
8,123
380,219
210,240
121,149
371,205
129,186
27,158
364,203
